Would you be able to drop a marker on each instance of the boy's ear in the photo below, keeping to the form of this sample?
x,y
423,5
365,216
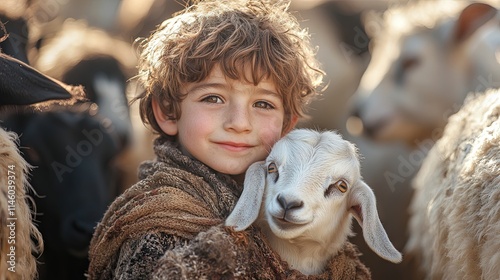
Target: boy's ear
x,y
293,122
167,124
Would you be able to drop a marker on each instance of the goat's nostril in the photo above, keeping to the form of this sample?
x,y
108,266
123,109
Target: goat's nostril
x,y
295,204
287,205
281,201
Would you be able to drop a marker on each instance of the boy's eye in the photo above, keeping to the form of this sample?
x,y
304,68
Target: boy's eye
x,y
212,99
263,105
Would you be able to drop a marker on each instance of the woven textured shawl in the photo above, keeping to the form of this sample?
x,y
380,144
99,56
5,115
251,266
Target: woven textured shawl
x,y
221,253
175,195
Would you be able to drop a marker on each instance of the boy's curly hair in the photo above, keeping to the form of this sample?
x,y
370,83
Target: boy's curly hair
x,y
260,34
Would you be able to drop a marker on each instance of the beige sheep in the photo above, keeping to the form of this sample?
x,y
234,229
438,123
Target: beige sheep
x,y
427,56
16,259
455,213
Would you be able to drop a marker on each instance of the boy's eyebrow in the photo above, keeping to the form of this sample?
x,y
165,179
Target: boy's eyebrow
x,y
202,86
269,92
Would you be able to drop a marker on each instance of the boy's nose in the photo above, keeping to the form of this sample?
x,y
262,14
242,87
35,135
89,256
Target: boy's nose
x,y
238,119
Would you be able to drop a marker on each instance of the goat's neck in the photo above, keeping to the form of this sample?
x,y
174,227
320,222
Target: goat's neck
x,y
306,254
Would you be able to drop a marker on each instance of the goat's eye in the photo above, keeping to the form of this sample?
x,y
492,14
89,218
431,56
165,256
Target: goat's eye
x,y
341,185
272,168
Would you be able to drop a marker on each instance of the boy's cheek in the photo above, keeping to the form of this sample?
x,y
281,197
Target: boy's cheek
x,y
272,135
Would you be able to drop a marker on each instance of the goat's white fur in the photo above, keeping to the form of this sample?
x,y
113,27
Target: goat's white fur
x,y
308,162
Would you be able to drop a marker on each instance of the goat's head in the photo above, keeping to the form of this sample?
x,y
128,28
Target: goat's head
x,y
310,184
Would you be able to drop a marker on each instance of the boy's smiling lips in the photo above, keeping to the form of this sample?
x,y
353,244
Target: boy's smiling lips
x,y
234,146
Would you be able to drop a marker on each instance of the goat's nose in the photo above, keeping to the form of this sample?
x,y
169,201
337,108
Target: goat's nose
x,y
287,205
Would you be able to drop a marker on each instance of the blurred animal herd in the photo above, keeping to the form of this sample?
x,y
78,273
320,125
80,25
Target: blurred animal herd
x,y
398,75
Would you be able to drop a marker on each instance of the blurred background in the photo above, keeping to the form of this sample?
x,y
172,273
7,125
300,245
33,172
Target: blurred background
x,y
91,43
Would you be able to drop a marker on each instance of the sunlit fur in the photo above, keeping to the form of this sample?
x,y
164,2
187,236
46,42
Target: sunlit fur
x,y
455,212
25,262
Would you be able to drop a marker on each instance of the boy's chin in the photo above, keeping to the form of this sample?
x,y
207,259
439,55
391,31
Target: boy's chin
x,y
228,167
236,174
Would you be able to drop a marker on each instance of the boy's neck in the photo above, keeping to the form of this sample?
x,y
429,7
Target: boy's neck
x,y
239,178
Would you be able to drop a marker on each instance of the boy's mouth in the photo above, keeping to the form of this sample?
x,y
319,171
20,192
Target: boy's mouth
x,y
234,146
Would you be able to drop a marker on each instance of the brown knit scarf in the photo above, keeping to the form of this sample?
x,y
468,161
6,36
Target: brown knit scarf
x,y
221,253
175,195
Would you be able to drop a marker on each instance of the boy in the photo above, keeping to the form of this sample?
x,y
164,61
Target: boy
x,y
224,80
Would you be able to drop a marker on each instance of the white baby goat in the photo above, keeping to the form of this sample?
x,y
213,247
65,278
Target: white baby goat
x,y
312,184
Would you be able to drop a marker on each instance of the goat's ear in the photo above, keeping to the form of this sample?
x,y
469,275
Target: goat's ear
x,y
247,208
471,18
363,206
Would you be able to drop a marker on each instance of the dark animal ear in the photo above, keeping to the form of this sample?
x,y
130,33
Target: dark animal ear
x,y
21,84
471,18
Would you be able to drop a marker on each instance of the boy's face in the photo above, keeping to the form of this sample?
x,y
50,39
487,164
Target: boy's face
x,y
227,124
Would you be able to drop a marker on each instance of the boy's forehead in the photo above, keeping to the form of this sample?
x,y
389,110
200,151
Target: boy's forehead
x,y
217,76
216,73
245,73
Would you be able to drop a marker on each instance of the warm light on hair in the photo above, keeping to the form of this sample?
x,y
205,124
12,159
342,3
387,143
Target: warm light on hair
x,y
235,35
